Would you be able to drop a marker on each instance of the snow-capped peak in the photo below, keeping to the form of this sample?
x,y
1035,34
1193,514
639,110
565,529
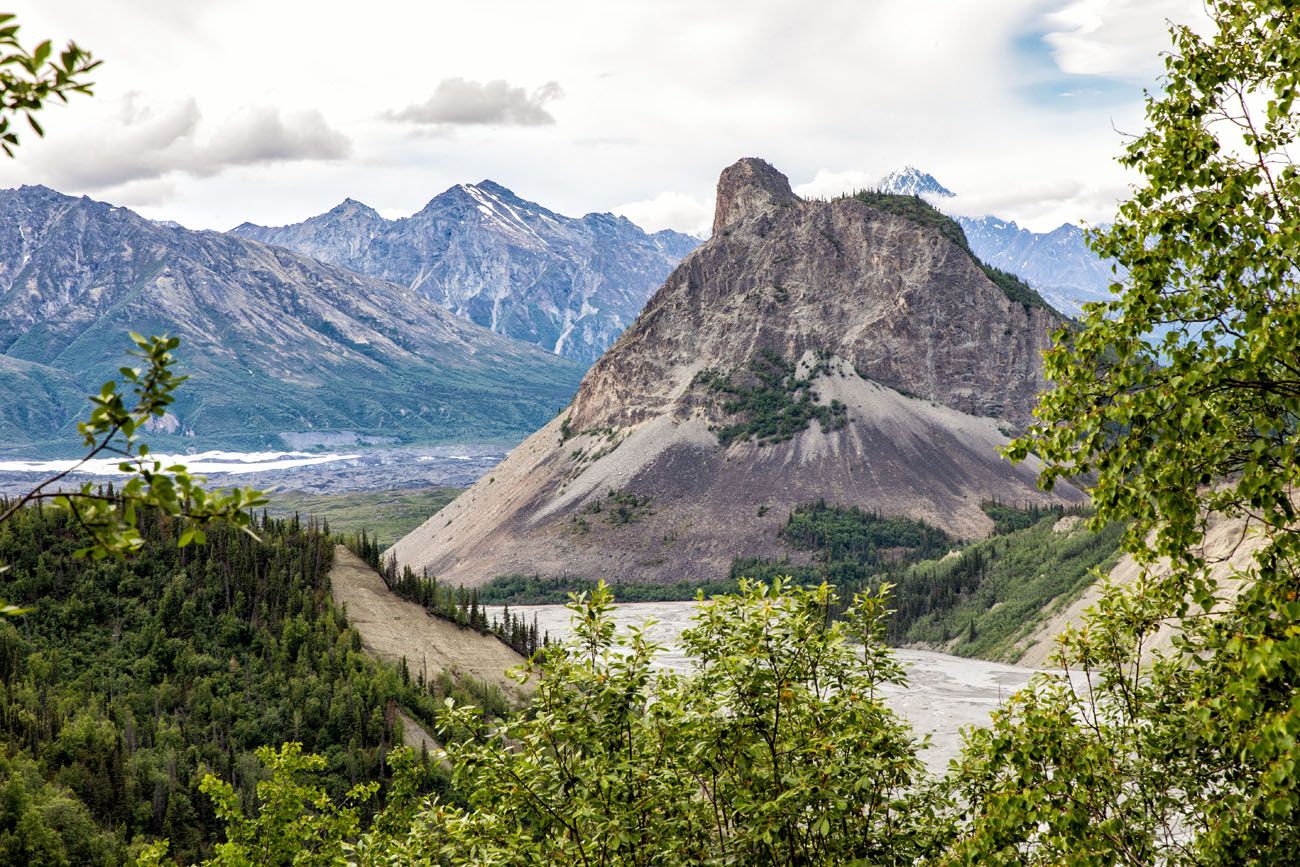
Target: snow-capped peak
x,y
496,211
911,181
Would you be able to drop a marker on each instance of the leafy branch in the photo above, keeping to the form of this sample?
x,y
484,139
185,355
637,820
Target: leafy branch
x,y
29,78
112,429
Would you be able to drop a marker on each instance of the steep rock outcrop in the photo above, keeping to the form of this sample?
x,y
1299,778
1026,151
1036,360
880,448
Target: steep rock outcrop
x,y
896,300
907,366
748,187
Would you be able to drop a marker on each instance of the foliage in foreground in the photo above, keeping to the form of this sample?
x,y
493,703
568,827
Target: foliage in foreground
x,y
778,749
126,681
30,78
1181,757
1187,756
112,431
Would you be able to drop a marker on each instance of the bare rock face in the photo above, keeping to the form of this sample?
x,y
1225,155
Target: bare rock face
x,y
747,187
919,366
902,304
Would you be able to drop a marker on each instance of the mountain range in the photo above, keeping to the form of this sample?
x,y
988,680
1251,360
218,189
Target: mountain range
x,y
810,350
569,285
1059,264
274,342
349,327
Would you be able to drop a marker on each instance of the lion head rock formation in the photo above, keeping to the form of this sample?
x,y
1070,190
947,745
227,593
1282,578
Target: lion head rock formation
x,y
809,350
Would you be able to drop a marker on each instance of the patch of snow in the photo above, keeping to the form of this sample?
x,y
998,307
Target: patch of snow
x,y
233,463
492,208
565,330
911,181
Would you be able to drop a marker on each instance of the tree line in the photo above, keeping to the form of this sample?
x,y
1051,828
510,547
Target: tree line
x,y
126,681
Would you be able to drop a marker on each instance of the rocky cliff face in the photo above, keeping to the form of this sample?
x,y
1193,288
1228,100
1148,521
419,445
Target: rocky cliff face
x,y
567,285
808,350
748,188
898,302
274,342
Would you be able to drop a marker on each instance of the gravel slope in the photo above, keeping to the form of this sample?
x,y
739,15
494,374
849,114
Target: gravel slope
x,y
392,628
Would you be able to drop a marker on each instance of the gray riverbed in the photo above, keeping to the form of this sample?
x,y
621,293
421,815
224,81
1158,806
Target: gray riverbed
x,y
312,472
944,695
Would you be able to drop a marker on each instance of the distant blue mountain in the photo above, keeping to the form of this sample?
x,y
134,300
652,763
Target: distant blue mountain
x,y
910,181
1059,263
274,342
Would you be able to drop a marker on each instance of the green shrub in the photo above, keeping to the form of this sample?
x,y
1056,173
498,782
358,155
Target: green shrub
x,y
775,405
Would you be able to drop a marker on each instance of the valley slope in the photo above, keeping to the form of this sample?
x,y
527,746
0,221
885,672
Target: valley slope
x,y
273,342
809,350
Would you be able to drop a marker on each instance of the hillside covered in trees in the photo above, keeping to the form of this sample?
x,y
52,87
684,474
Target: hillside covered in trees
x,y
124,683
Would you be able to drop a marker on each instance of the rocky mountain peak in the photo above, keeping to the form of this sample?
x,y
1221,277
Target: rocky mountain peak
x,y
810,350
351,205
911,181
569,285
748,186
490,186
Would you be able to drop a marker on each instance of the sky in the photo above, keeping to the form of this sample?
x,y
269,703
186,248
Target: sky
x,y
216,112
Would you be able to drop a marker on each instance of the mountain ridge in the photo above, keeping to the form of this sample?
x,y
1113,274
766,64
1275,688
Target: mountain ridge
x,y
567,284
911,181
1059,264
274,342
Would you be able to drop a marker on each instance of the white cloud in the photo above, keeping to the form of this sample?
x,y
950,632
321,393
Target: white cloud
x,y
1041,206
262,135
143,193
671,210
458,102
1038,204
827,184
138,148
1115,38
658,96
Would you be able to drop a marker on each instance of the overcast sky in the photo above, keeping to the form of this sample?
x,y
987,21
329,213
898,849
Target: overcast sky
x,y
212,112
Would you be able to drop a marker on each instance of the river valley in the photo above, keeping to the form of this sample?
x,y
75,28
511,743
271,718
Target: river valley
x,y
944,694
